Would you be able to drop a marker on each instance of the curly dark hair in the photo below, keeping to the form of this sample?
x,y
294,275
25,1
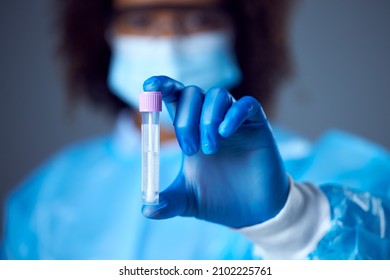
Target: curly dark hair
x,y
261,46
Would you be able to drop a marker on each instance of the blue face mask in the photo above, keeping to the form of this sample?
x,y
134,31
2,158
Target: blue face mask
x,y
204,59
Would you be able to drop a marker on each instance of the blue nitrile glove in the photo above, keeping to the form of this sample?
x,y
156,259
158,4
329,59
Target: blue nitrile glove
x,y
232,173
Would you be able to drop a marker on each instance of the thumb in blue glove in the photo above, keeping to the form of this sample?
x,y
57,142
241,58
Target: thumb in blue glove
x,y
231,173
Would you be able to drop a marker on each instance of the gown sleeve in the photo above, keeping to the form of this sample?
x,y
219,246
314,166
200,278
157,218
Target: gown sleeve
x,y
360,226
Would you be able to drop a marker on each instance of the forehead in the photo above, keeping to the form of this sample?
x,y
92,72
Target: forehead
x,y
151,3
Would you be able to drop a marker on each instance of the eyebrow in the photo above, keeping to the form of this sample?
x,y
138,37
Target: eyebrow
x,y
140,8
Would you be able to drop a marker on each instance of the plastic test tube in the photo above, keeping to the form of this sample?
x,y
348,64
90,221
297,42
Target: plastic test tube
x,y
150,106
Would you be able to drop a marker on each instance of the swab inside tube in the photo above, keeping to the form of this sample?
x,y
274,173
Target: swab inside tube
x,y
150,107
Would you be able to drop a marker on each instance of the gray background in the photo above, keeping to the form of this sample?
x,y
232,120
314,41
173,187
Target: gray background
x,y
341,52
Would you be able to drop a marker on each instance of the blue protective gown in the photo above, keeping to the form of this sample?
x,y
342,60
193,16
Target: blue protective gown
x,y
85,203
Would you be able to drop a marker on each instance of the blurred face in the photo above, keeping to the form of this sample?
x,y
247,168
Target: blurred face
x,y
168,17
191,41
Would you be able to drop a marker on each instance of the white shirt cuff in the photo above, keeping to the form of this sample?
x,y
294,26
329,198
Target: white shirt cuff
x,y
296,230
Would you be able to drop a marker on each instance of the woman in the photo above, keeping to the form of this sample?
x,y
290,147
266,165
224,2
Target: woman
x,y
234,186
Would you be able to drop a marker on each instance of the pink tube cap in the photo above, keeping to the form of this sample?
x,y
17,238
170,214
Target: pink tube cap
x,y
150,101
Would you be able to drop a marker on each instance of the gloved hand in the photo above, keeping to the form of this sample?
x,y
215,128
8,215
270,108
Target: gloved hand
x,y
232,173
